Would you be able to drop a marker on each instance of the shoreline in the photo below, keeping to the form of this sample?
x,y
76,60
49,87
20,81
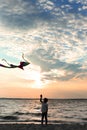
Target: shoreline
x,y
32,126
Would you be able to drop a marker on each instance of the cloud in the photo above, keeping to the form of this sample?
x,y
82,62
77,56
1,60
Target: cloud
x,y
22,14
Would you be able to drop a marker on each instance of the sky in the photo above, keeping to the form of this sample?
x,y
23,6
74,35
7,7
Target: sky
x,y
52,34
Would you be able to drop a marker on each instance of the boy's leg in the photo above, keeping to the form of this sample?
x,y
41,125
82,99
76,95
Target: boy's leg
x,y
46,121
42,118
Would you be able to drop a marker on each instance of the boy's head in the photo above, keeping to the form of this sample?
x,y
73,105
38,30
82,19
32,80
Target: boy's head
x,y
45,100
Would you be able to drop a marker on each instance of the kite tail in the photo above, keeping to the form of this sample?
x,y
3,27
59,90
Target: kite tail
x,y
5,61
24,58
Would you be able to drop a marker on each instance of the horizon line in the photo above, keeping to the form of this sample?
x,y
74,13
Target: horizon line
x,y
21,98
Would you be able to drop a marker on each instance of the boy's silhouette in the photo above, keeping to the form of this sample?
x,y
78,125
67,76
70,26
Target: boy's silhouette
x,y
44,109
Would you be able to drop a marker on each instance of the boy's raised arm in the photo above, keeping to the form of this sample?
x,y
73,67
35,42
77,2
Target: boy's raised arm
x,y
41,98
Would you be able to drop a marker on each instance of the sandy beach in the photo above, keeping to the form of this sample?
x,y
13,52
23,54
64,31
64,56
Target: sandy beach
x,y
40,127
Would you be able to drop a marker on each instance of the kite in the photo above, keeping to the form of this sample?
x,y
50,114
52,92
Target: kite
x,y
21,65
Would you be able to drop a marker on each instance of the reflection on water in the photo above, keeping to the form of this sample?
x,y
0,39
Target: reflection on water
x,y
60,110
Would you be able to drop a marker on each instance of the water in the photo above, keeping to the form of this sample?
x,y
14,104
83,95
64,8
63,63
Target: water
x,y
28,111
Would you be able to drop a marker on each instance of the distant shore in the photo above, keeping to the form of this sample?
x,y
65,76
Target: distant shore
x,y
44,127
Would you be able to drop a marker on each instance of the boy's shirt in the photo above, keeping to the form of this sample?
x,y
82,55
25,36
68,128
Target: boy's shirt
x,y
44,107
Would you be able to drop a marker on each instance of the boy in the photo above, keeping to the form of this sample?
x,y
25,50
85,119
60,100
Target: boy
x,y
44,109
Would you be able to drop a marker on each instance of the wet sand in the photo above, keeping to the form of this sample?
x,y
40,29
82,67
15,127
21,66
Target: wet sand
x,y
44,127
